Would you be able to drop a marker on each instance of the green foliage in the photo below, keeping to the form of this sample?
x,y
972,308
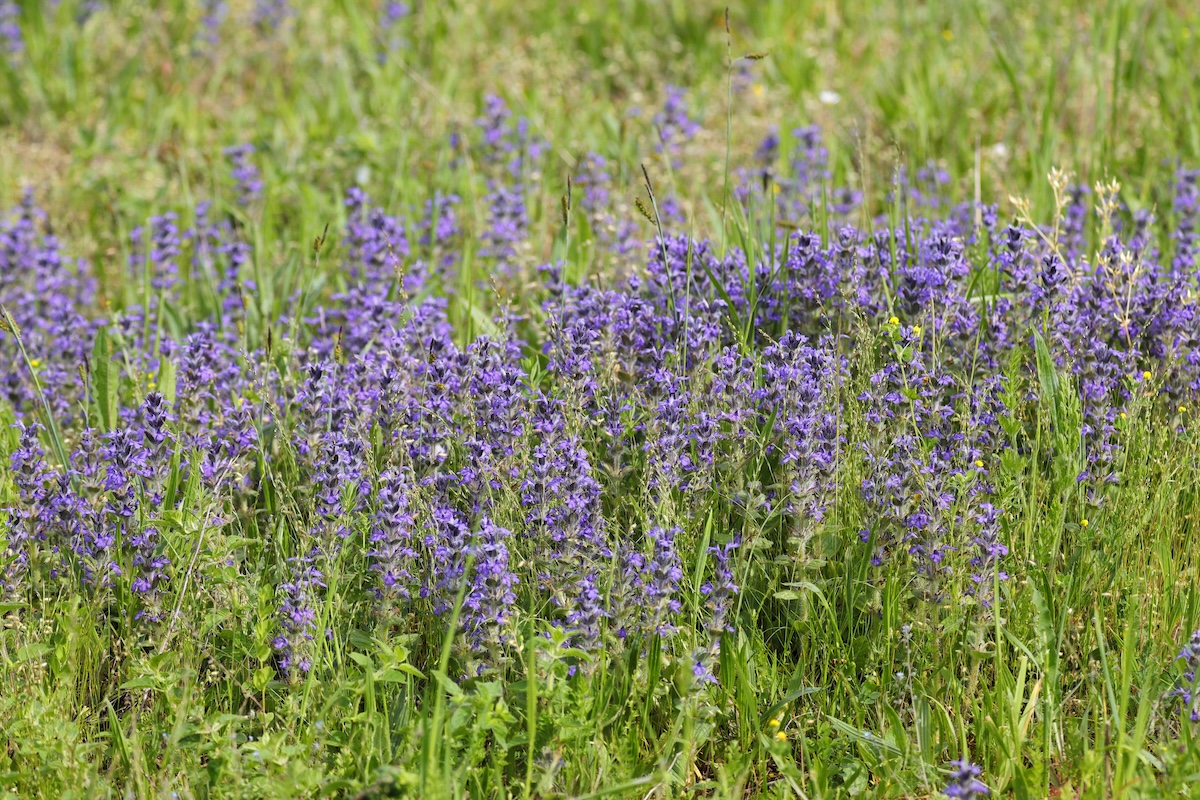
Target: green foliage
x,y
832,686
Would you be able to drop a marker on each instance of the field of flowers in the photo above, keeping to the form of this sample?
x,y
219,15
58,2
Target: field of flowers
x,y
639,400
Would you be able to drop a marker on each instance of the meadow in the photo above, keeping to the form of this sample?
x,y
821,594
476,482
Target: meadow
x,y
621,399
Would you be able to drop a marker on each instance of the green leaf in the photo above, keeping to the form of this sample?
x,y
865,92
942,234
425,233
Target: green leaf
x,y
363,661
32,651
788,698
450,686
1047,378
102,378
262,677
166,380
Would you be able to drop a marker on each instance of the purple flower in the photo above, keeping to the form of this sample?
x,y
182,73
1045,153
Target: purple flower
x,y
1185,690
244,173
392,535
719,594
157,259
391,34
158,442
989,554
12,42
490,600
269,15
673,121
32,516
587,614
126,463
215,12
149,566
964,781
377,244
297,598
660,582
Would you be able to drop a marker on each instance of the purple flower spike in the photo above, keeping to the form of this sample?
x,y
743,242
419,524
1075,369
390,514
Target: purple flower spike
x,y
964,781
244,173
12,42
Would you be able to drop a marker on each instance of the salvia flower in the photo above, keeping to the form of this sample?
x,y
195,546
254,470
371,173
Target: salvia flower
x,y
491,597
719,592
1186,689
673,122
391,34
31,517
215,12
297,615
269,15
660,582
392,535
964,781
12,41
587,614
245,174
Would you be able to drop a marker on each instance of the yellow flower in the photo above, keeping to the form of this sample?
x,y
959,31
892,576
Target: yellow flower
x,y
775,723
781,736
1146,375
894,321
758,90
1122,415
947,34
1083,523
917,330
979,464
1182,409
35,363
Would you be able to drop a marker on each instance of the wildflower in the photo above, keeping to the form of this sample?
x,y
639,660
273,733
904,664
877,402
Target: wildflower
x,y
719,594
215,12
391,14
588,611
660,582
392,535
297,614
269,15
11,38
159,256
490,600
1186,689
245,175
674,124
964,781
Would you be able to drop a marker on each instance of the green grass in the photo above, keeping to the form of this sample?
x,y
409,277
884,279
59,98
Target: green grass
x,y
1057,693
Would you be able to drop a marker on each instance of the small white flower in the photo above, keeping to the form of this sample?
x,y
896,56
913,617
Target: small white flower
x,y
829,97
